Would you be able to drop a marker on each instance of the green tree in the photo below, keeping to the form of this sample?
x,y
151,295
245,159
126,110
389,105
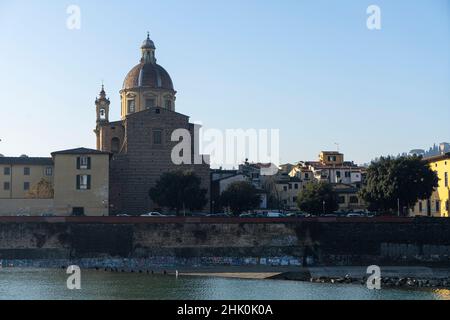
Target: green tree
x,y
179,190
393,181
318,198
240,196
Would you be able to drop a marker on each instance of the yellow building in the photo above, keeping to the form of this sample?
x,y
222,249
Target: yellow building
x,y
18,175
438,204
81,182
78,179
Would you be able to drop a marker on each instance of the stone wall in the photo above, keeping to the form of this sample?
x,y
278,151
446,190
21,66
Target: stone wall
x,y
33,207
324,241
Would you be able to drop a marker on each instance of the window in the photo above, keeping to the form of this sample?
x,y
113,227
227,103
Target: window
x,y
290,186
347,174
341,200
26,171
306,176
338,174
332,158
6,186
131,106
446,179
7,171
168,104
438,206
294,199
157,137
296,186
26,186
420,206
84,163
285,188
83,182
49,171
102,114
149,103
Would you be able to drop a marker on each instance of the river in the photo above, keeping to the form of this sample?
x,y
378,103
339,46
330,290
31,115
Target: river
x,y
50,284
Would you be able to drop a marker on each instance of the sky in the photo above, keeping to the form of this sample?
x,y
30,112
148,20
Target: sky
x,y
311,69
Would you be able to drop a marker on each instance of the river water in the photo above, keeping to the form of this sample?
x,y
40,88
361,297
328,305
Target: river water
x,y
38,284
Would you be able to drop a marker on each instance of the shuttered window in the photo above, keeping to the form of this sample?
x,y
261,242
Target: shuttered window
x,y
83,182
84,163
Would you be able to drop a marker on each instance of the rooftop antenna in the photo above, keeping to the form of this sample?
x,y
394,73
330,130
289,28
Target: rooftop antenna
x,y
337,145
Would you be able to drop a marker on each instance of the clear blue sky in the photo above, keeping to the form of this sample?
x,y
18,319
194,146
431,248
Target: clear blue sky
x,y
310,68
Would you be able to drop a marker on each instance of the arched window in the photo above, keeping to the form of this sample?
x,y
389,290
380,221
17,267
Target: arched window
x,y
115,145
102,114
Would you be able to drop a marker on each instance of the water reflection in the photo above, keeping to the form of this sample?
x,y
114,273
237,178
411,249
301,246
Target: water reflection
x,y
38,284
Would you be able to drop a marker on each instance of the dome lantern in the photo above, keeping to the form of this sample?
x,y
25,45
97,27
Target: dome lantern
x,y
148,50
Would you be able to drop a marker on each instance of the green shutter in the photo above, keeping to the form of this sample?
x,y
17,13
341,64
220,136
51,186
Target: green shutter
x,y
89,182
89,163
78,181
78,163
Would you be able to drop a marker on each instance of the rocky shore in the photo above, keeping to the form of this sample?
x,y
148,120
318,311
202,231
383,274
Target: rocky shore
x,y
390,282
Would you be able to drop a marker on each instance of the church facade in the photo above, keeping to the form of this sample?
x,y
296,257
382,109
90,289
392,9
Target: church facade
x,y
141,141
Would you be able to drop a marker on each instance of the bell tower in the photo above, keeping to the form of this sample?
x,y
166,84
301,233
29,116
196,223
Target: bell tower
x,y
102,106
102,109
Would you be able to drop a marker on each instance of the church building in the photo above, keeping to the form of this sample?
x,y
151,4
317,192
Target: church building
x,y
141,141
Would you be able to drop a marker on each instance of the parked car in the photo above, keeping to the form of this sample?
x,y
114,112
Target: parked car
x,y
219,215
122,215
47,215
355,215
302,215
248,215
23,215
275,215
152,214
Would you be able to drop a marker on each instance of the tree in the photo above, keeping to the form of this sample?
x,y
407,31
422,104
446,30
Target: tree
x,y
240,196
317,198
398,182
274,200
179,190
42,190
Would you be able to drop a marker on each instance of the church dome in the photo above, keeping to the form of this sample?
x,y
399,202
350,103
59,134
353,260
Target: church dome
x,y
148,75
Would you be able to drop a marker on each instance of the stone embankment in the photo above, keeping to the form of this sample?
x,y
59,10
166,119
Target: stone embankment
x,y
389,282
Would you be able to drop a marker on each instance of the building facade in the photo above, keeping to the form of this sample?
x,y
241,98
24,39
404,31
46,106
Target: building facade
x,y
438,204
81,183
345,177
141,142
18,175
71,182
